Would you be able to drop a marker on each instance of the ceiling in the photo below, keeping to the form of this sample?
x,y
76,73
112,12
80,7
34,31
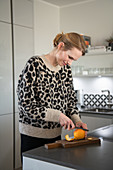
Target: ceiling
x,y
62,3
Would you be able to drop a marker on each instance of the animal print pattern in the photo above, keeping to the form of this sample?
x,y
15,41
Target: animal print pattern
x,y
40,89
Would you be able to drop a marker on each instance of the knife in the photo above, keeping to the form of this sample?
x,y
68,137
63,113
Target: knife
x,y
81,128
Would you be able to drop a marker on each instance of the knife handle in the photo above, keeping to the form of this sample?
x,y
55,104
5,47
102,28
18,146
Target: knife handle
x,y
53,145
81,128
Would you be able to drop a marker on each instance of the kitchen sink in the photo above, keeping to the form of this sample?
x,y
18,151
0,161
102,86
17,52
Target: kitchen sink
x,y
103,110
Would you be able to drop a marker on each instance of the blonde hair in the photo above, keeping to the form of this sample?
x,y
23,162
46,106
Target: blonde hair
x,y
70,40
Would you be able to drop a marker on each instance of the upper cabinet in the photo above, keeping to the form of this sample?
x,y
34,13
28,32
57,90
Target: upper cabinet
x,y
96,64
23,12
5,14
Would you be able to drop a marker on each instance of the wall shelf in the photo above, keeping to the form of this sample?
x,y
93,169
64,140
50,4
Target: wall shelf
x,y
94,65
99,53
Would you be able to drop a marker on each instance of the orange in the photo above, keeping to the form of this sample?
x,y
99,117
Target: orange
x,y
79,134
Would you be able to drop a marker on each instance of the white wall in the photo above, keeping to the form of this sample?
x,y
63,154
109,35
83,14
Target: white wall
x,y
46,26
94,18
93,85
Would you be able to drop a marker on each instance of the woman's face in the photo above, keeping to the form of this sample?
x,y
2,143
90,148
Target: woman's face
x,y
67,57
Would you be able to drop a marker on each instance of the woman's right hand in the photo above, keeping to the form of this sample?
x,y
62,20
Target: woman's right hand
x,y
66,122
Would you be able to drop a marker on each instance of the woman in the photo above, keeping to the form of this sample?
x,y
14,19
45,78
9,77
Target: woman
x,y
46,97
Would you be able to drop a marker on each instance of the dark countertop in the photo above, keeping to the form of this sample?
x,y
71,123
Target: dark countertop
x,y
85,111
87,157
105,132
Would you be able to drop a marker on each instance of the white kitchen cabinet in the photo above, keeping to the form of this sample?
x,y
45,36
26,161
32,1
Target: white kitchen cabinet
x,y
23,51
35,164
6,91
6,142
5,14
23,12
96,122
17,142
5,69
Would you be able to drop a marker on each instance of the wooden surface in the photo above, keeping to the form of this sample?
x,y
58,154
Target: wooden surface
x,y
66,144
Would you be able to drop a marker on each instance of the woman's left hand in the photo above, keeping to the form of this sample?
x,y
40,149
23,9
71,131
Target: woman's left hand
x,y
83,125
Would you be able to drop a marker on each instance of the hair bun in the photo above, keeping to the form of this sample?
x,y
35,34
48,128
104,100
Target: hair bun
x,y
58,39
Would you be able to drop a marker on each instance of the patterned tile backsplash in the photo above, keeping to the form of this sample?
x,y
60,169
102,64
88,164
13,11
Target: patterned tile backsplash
x,y
96,100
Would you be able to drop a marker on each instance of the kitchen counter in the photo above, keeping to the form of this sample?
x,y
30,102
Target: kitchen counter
x,y
95,119
87,157
86,112
105,133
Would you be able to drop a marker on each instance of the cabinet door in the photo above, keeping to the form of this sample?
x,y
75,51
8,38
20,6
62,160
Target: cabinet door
x,y
5,10
6,142
23,12
17,142
96,122
6,98
23,51
42,165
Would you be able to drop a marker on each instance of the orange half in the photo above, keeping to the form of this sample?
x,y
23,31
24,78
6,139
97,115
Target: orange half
x,y
68,138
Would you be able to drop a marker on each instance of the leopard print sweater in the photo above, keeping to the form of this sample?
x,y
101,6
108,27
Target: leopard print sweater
x,y
44,91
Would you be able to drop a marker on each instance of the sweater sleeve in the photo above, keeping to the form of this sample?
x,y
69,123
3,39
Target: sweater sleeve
x,y
72,110
29,95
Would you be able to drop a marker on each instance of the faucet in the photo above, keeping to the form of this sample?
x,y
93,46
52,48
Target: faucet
x,y
110,104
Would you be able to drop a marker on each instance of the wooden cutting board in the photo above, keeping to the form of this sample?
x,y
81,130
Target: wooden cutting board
x,y
67,144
